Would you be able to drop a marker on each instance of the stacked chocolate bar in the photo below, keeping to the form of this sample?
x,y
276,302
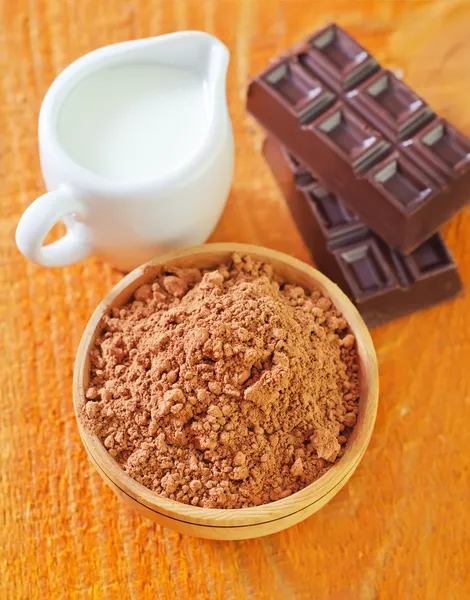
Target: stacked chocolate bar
x,y
369,171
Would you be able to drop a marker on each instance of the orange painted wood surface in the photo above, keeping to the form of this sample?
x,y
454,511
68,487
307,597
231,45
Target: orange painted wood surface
x,y
401,527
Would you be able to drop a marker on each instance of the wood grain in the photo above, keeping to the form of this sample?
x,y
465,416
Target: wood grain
x,y
400,528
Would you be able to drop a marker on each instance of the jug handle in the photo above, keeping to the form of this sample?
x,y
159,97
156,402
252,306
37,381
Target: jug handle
x,y
39,218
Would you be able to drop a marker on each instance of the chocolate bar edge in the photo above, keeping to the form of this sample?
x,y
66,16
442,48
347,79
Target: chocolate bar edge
x,y
378,309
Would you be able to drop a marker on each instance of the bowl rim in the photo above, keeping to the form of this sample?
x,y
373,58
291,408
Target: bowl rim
x,y
334,478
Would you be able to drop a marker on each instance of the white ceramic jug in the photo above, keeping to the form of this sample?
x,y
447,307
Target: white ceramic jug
x,y
128,222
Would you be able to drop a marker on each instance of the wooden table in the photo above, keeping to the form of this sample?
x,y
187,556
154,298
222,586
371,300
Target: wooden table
x,y
400,528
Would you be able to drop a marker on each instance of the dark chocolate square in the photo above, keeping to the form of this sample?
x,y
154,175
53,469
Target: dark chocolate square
x,y
447,144
403,182
307,96
351,136
366,268
390,105
337,58
429,258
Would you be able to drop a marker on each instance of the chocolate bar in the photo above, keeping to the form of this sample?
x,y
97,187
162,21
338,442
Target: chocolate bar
x,y
383,284
373,141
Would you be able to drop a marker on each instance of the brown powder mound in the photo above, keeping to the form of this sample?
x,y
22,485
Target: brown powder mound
x,y
224,389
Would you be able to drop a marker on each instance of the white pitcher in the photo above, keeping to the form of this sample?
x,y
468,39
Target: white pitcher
x,y
124,219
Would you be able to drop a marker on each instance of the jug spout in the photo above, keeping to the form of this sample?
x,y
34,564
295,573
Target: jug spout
x,y
216,75
206,56
196,51
209,57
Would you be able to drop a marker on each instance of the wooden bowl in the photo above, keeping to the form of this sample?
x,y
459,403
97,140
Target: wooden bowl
x,y
239,523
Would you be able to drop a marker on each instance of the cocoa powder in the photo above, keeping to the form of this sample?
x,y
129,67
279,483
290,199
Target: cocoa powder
x,y
226,389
